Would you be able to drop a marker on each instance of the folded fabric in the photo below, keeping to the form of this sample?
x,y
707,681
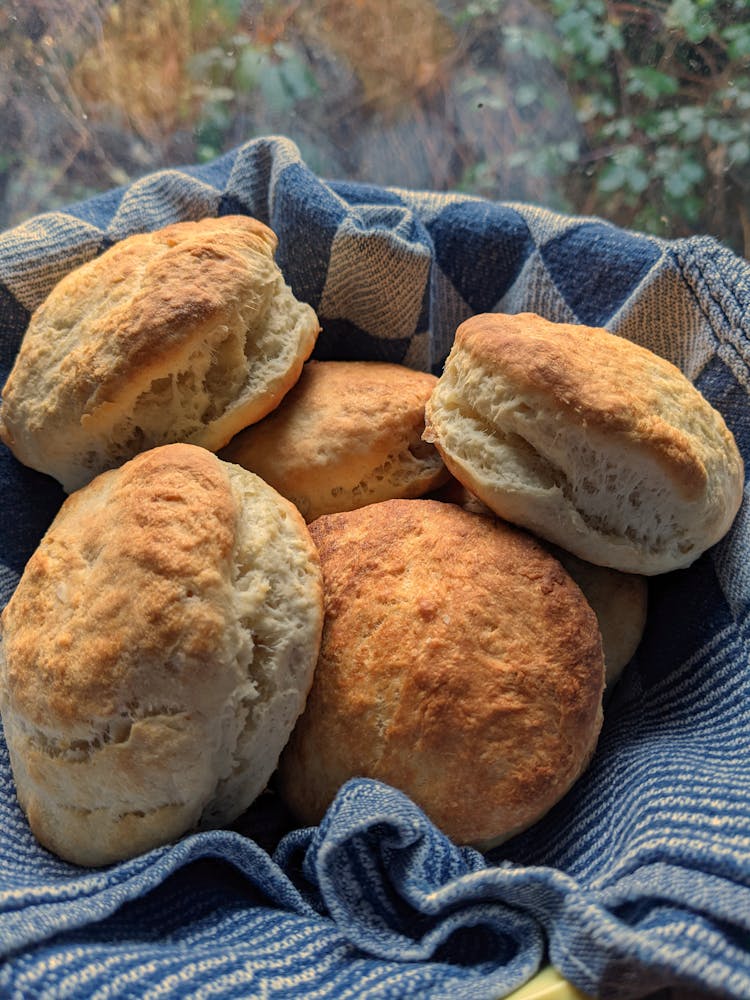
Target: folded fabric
x,y
637,880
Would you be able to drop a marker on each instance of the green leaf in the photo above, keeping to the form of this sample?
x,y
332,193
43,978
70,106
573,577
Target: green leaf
x,y
612,178
298,79
678,184
535,44
526,94
480,8
692,122
518,158
273,89
664,124
613,35
739,152
638,180
687,17
724,130
591,106
625,172
680,175
739,96
650,83
569,151
251,64
737,39
619,128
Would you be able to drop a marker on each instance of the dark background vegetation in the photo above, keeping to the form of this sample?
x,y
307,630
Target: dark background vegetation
x,y
636,112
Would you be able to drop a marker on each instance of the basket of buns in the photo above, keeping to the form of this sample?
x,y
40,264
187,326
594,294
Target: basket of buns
x,y
374,574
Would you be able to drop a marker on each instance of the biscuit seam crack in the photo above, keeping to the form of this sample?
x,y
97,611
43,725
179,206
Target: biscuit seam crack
x,y
137,813
117,731
559,479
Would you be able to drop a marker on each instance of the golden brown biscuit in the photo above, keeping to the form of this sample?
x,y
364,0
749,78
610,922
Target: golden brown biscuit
x,y
587,439
185,334
459,663
348,434
619,600
156,654
620,603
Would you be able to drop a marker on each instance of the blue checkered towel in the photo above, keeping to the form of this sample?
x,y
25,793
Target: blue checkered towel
x,y
640,878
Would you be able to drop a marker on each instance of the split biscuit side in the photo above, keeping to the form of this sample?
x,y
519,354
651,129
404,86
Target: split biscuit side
x,y
589,440
188,333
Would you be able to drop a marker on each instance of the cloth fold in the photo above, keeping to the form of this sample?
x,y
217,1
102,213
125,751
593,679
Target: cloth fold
x,y
640,877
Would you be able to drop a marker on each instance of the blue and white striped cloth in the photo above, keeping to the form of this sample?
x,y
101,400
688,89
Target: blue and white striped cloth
x,y
640,877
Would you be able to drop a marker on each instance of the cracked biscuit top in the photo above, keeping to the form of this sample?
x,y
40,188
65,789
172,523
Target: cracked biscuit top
x,y
188,333
349,433
459,663
590,440
156,654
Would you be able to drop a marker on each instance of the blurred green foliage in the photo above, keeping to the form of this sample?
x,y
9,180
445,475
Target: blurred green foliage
x,y
661,91
232,79
243,66
637,112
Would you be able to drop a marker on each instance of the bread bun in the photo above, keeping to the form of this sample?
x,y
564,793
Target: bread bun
x,y
620,603
348,434
184,334
156,654
619,600
459,663
587,439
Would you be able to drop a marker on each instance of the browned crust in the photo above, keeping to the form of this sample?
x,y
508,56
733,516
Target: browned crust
x,y
599,380
180,280
459,663
75,649
336,427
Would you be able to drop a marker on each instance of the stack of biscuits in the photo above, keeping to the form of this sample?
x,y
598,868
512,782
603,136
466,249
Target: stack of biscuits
x,y
274,571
